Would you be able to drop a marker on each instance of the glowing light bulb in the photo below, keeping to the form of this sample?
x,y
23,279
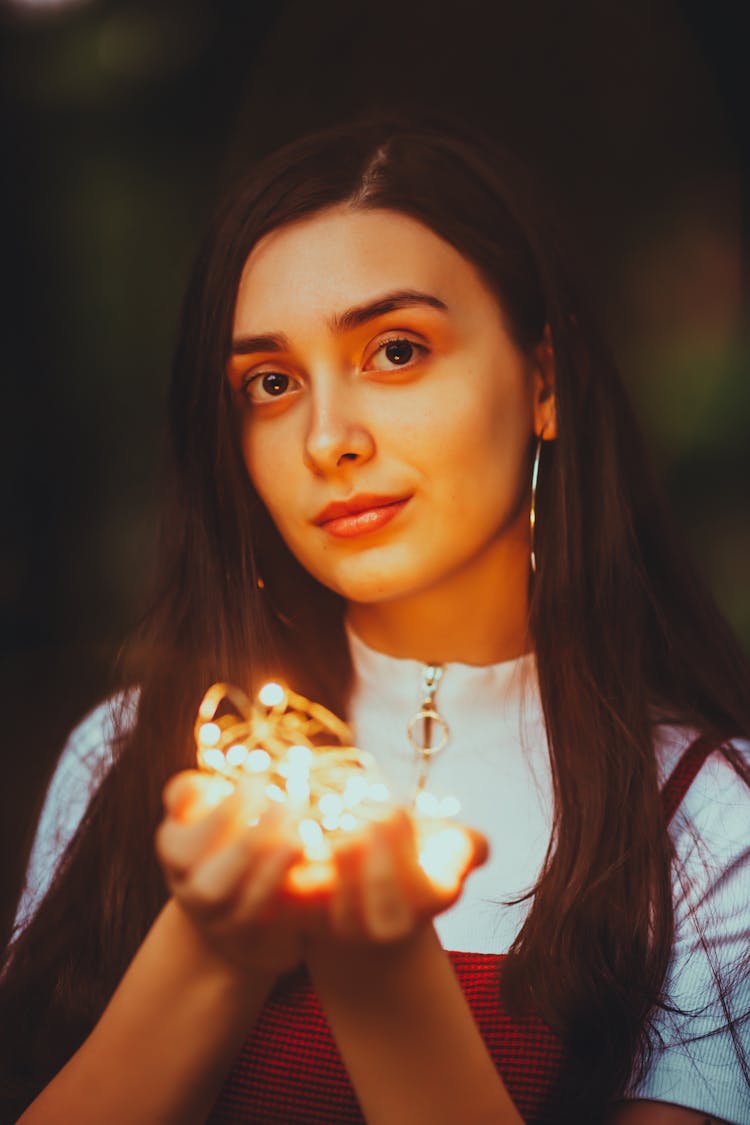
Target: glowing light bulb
x,y
300,757
315,844
237,754
272,695
298,789
427,804
354,790
216,790
348,822
276,794
308,877
444,856
378,792
450,806
215,760
330,804
258,761
210,733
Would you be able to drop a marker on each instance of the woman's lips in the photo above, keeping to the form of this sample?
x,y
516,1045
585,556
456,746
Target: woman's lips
x,y
363,522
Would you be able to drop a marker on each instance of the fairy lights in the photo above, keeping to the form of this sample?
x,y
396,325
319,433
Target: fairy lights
x,y
284,749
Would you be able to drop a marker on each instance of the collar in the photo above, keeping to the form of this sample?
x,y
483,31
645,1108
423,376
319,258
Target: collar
x,y
501,691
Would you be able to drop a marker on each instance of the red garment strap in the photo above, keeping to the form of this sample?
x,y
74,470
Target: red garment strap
x,y
685,772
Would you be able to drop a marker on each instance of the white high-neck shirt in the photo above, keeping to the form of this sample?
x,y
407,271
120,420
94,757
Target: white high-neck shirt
x,y
496,762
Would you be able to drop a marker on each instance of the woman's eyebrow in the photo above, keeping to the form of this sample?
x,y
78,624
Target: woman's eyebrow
x,y
273,342
401,299
345,321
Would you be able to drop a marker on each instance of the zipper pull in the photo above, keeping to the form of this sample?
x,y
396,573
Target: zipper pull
x,y
428,718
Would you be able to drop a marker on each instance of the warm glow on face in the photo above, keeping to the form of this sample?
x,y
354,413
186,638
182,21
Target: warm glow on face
x,y
431,403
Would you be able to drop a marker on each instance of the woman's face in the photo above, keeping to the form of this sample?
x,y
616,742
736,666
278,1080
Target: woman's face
x,y
386,413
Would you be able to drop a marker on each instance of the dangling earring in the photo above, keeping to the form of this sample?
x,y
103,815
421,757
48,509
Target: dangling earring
x,y
532,511
281,617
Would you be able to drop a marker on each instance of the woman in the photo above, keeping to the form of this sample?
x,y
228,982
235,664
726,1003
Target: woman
x,y
400,447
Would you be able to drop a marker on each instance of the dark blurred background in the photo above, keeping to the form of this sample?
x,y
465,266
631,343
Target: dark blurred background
x,y
121,122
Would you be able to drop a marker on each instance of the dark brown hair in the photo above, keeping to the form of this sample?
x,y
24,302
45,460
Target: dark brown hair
x,y
622,629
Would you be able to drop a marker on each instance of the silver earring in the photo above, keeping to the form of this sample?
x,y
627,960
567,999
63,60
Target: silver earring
x,y
532,511
263,590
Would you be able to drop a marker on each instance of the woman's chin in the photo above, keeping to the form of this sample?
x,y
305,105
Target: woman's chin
x,y
365,584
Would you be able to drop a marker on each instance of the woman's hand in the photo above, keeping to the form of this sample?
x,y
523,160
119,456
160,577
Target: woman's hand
x,y
240,885
381,893
228,877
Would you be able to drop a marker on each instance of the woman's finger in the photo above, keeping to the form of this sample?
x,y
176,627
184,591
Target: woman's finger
x,y
265,883
217,883
387,912
191,794
481,848
181,845
447,854
345,906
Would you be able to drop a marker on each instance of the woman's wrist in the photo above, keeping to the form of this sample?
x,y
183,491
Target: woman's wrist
x,y
239,978
331,959
163,1045
389,1002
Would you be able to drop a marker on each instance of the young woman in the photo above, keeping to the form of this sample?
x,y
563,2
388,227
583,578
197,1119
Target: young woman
x,y
404,464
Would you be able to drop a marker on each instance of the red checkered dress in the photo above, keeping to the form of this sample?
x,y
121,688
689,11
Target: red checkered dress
x,y
290,1072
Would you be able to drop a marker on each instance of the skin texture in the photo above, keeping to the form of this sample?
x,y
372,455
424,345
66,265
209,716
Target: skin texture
x,y
451,429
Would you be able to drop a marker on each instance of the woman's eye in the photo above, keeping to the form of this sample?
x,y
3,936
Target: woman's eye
x,y
268,385
395,353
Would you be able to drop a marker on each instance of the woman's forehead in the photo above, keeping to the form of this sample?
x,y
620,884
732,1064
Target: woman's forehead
x,y
342,257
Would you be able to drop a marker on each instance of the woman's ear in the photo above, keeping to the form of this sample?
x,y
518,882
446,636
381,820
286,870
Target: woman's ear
x,y
543,371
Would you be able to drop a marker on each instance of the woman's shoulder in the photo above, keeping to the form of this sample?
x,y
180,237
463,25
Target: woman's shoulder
x,y
710,829
672,740
716,803
695,1034
85,760
93,741
90,750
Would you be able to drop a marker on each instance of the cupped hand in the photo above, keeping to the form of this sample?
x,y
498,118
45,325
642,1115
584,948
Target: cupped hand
x,y
382,893
241,884
229,877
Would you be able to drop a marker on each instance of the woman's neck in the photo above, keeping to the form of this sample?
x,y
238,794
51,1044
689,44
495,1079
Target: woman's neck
x,y
465,621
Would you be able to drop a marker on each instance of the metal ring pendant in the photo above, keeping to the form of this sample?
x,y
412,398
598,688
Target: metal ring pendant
x,y
428,713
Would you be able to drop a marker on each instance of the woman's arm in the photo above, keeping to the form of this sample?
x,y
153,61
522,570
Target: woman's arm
x,y
162,1047
397,1011
161,1050
407,1035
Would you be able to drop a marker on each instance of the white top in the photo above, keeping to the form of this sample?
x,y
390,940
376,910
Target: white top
x,y
497,763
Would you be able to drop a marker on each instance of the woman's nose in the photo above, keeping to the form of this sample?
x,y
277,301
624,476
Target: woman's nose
x,y
336,435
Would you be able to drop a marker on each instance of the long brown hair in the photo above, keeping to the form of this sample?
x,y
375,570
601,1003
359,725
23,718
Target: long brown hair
x,y
620,623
